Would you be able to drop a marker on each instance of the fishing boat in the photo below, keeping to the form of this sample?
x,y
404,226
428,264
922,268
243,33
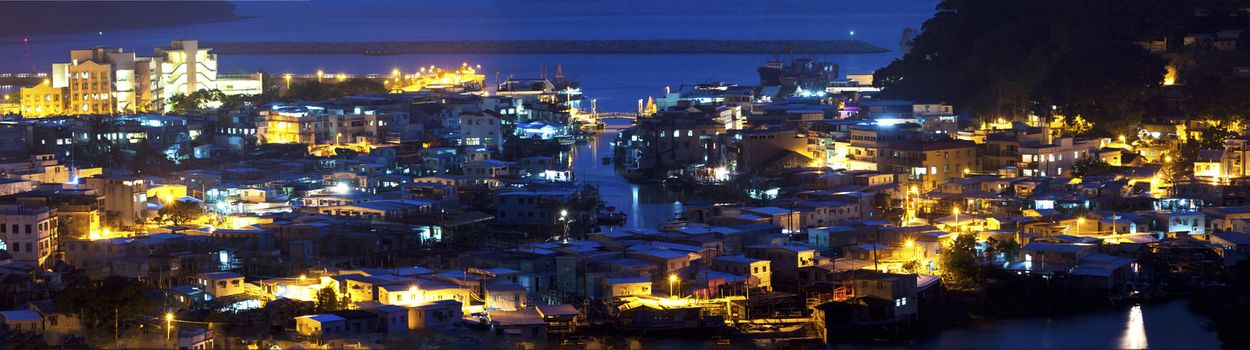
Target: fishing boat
x,y
674,224
768,330
607,217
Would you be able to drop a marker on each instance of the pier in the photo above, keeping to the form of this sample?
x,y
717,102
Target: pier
x,y
548,46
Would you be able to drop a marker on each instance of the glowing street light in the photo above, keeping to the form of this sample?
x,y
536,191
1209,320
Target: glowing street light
x,y
395,72
169,324
911,244
672,280
320,73
1079,221
287,77
956,212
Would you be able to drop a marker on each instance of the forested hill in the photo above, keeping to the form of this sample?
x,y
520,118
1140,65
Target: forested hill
x,y
1070,57
49,17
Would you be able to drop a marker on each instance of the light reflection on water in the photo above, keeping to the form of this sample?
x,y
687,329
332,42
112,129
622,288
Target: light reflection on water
x,y
1168,325
1135,330
646,205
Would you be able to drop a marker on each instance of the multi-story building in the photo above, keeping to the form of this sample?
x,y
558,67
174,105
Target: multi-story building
x,y
675,139
756,150
930,162
44,100
182,68
110,81
41,168
1231,162
91,77
29,234
124,198
740,265
313,125
481,129
1055,158
785,261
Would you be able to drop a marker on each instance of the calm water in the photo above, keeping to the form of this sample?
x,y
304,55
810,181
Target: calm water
x,y
646,205
617,81
1167,325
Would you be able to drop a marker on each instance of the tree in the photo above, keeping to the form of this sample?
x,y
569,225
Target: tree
x,y
149,160
328,300
1091,167
961,267
1009,58
885,205
179,212
96,304
1008,248
320,91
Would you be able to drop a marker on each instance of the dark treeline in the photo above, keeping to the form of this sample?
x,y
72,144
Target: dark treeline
x,y
1012,58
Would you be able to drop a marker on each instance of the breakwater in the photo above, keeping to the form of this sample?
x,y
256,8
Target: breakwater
x,y
548,46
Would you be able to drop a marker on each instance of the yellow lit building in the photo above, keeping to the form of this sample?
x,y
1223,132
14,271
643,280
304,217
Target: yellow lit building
x,y
43,100
91,88
111,81
9,104
279,127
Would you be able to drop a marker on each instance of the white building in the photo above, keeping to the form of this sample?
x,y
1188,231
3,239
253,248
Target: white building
x,y
481,129
183,67
29,234
1056,158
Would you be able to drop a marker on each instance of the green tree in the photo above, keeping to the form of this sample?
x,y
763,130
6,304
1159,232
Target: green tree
x,y
321,91
179,212
1009,248
96,304
961,267
1091,167
328,300
1009,58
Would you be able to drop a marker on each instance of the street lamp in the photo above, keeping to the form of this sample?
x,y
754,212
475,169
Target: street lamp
x,y
672,279
169,324
956,211
287,77
911,243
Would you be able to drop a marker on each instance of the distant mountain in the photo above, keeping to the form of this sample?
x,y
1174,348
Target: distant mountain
x,y
51,17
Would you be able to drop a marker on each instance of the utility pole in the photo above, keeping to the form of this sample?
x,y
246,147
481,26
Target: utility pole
x,y
115,324
876,246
